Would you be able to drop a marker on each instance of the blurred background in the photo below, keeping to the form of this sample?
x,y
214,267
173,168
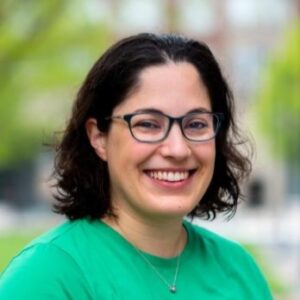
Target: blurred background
x,y
46,50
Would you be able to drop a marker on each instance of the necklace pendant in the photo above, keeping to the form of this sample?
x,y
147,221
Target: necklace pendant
x,y
172,288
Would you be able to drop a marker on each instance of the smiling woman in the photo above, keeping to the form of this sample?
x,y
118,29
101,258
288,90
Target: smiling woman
x,y
151,140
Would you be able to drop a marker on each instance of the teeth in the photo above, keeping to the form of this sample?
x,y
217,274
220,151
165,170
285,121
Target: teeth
x,y
169,176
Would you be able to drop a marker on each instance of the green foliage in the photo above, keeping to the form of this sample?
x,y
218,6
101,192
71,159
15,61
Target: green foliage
x,y
278,106
46,48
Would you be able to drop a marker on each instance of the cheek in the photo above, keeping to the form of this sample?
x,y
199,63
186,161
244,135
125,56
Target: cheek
x,y
126,152
206,153
212,156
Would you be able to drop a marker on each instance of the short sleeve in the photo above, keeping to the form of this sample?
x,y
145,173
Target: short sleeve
x,y
43,271
258,278
247,274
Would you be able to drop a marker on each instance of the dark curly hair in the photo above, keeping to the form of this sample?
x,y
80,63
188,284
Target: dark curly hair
x,y
83,184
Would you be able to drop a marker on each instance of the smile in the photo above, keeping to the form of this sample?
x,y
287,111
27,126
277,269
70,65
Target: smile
x,y
170,176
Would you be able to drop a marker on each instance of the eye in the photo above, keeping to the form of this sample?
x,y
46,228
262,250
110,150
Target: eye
x,y
147,124
196,124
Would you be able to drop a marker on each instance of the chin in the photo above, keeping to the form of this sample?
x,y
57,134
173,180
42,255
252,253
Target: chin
x,y
173,208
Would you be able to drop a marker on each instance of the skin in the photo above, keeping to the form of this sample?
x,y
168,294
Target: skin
x,y
150,211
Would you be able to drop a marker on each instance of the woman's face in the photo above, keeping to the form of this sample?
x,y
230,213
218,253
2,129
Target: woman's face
x,y
142,175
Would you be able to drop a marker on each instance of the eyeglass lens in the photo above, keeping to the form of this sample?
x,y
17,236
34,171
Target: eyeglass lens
x,y
151,127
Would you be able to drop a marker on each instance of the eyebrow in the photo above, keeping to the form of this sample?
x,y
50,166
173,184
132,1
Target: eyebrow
x,y
153,110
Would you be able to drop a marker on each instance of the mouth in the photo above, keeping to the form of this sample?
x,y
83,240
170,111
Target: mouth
x,y
170,176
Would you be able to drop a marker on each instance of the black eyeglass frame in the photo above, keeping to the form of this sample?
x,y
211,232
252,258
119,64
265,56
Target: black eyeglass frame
x,y
179,120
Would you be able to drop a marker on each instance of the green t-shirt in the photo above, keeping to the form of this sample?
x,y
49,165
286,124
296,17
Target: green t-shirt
x,y
86,259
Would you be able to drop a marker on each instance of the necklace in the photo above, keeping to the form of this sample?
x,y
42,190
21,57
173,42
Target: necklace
x,y
171,286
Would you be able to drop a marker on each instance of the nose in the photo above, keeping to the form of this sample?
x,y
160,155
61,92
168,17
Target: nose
x,y
175,145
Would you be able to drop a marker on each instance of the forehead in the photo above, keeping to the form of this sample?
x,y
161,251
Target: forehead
x,y
173,88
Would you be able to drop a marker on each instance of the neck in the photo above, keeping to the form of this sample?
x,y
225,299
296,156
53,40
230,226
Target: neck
x,y
166,238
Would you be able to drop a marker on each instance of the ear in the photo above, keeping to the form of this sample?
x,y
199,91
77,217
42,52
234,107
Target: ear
x,y
97,138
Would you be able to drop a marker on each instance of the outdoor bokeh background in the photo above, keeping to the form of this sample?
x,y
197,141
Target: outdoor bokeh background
x,y
47,48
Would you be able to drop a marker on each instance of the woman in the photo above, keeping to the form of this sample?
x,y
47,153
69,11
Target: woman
x,y
151,140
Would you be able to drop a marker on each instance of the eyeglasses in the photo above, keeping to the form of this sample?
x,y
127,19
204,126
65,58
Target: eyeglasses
x,y
154,127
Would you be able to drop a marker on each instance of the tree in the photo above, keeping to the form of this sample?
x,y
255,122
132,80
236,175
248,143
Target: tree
x,y
278,105
46,47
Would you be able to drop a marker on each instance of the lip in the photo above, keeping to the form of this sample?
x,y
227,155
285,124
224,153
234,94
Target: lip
x,y
178,177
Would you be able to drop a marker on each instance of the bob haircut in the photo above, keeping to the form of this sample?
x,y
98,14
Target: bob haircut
x,y
82,179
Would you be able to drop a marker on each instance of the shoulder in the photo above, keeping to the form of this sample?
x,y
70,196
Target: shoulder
x,y
227,253
67,238
211,239
229,256
58,233
44,268
55,245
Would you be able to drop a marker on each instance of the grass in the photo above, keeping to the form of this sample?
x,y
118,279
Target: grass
x,y
11,244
